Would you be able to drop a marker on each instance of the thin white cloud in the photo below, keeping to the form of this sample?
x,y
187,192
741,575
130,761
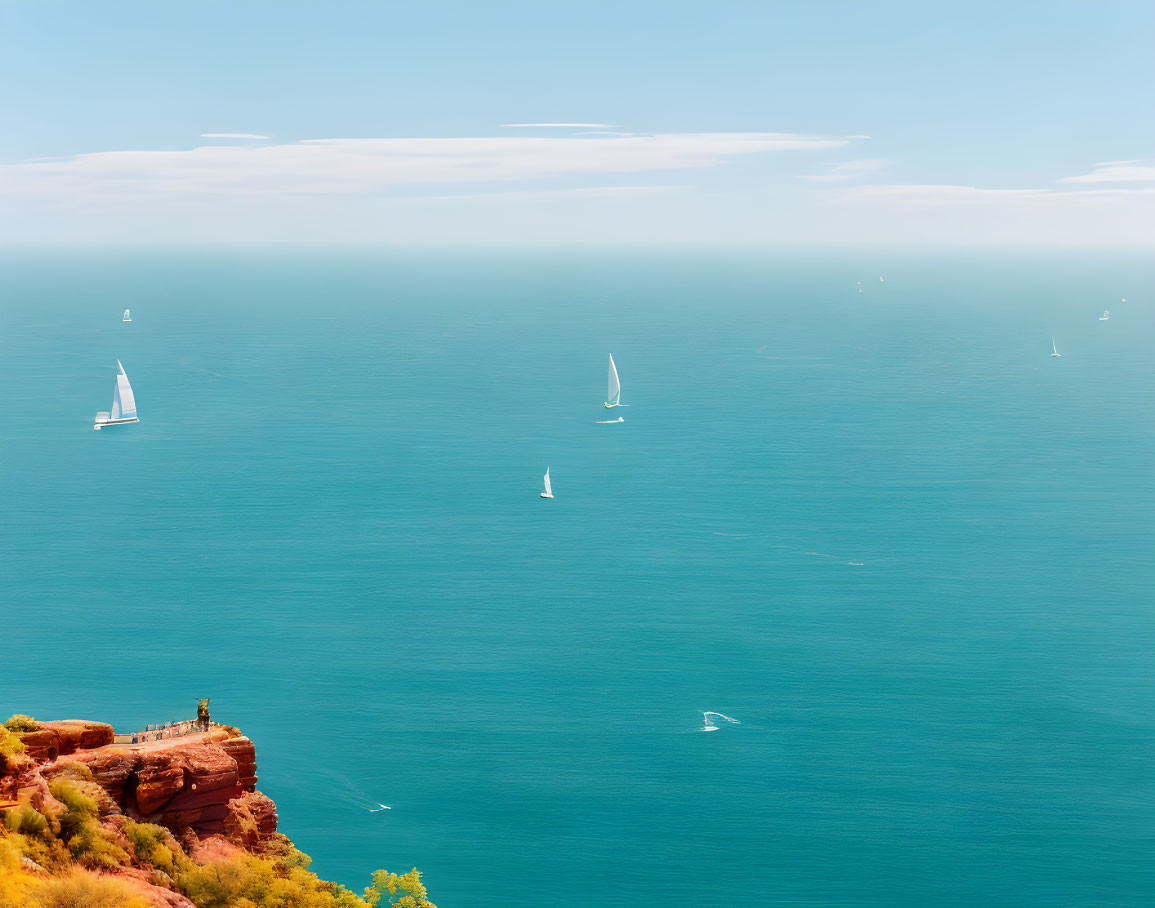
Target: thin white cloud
x,y
561,195
936,193
843,171
231,135
1116,172
949,194
360,166
565,125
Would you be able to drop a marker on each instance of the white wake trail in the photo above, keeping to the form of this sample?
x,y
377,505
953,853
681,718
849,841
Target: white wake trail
x,y
708,726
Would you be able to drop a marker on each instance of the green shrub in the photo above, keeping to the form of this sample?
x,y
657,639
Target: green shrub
x,y
87,841
26,820
154,845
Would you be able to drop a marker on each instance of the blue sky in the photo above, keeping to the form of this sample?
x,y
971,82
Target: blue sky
x,y
710,122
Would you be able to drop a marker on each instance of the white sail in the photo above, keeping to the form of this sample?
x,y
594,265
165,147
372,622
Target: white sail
x,y
127,316
548,490
613,397
1054,349
123,403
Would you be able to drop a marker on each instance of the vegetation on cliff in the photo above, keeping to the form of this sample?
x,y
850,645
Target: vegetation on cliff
x,y
66,842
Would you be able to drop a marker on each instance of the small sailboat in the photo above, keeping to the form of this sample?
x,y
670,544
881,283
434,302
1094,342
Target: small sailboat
x,y
880,280
548,493
127,317
860,286
1054,349
614,395
606,422
1106,316
123,403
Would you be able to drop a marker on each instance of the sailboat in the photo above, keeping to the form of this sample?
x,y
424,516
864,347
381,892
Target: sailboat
x,y
127,317
614,395
123,403
1106,316
1054,348
548,493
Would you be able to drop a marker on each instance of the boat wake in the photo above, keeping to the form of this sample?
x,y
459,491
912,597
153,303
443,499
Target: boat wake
x,y
707,725
354,795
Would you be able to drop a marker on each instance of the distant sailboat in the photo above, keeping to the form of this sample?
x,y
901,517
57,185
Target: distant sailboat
x,y
123,403
860,286
614,396
548,493
1106,316
1054,348
606,422
880,280
127,316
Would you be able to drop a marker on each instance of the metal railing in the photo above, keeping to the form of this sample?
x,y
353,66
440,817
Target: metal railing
x,y
161,732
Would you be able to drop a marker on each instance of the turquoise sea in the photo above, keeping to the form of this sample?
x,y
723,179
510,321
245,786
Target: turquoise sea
x,y
907,549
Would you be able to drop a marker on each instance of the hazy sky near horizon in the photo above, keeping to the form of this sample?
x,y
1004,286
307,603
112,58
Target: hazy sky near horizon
x,y
467,121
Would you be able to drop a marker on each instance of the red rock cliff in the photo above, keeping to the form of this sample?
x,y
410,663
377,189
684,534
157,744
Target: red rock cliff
x,y
204,783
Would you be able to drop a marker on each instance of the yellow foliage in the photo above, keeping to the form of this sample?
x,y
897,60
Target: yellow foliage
x,y
247,881
78,888
404,891
15,881
22,723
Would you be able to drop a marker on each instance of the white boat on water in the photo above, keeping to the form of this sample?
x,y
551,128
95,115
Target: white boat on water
x,y
614,394
127,317
1106,316
123,403
548,493
1054,349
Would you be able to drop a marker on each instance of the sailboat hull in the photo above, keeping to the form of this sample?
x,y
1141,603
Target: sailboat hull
x,y
546,495
101,423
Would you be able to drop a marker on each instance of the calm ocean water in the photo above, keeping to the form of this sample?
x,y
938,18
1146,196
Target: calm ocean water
x,y
907,549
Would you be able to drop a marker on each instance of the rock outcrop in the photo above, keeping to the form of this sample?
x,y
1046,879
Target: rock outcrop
x,y
196,783
172,819
54,739
203,784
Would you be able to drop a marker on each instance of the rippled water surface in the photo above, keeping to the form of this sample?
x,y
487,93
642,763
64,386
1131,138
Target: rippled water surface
x,y
906,548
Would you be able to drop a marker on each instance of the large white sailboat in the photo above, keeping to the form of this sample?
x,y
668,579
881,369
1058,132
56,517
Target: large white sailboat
x,y
548,493
127,317
1054,349
123,403
614,395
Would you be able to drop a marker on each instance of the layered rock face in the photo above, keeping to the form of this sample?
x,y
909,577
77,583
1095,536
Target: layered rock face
x,y
202,787
54,739
204,783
